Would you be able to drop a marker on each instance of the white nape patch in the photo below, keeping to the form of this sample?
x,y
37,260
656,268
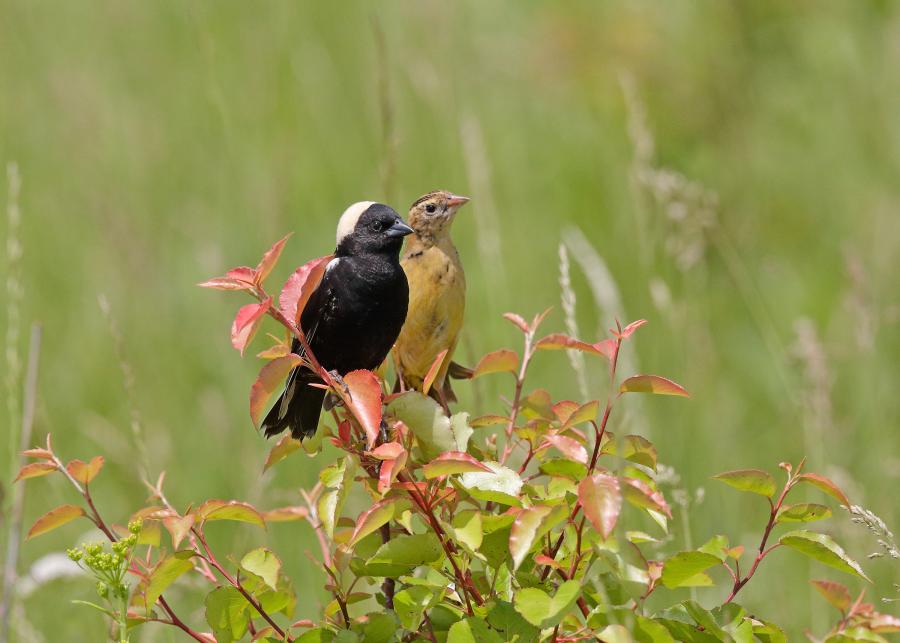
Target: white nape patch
x,y
348,220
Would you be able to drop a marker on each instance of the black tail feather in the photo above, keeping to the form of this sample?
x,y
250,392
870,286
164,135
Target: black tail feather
x,y
300,411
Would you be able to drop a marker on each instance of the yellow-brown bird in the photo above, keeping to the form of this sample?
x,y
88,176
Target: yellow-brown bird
x,y
437,294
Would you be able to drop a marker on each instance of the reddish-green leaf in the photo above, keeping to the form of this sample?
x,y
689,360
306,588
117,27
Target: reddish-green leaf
x,y
652,384
285,514
803,512
374,517
270,379
488,420
751,480
35,470
229,510
300,285
567,446
453,462
43,454
247,322
54,518
641,494
530,525
85,472
835,593
178,527
433,371
164,574
601,500
270,259
286,446
501,361
584,413
365,402
825,485
224,283
280,348
517,321
559,341
393,459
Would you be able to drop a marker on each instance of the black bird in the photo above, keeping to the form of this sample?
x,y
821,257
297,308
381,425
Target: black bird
x,y
354,316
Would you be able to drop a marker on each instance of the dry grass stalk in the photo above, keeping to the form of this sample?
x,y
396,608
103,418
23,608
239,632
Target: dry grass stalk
x,y
569,303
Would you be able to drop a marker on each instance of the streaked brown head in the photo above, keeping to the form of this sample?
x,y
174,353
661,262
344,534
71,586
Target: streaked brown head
x,y
432,214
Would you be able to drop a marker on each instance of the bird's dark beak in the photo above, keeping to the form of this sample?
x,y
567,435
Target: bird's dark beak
x,y
399,229
456,200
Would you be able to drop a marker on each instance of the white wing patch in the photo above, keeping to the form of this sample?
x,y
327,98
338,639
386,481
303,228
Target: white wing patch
x,y
332,264
348,220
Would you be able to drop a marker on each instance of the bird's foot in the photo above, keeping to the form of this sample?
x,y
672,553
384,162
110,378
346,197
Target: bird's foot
x,y
337,380
383,432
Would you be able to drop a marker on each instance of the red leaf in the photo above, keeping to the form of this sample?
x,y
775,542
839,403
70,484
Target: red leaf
x,y
35,470
388,473
568,447
825,485
433,371
84,473
607,348
388,451
270,259
601,499
517,321
224,283
501,361
630,328
267,382
247,322
652,384
835,593
300,285
53,519
365,402
178,527
344,431
242,273
375,516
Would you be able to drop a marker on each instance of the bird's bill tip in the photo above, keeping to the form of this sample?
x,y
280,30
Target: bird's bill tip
x,y
456,200
399,229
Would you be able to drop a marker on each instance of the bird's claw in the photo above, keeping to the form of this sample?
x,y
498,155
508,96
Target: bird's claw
x,y
337,380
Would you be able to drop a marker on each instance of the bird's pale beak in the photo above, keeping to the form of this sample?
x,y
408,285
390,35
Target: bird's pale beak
x,y
456,201
399,229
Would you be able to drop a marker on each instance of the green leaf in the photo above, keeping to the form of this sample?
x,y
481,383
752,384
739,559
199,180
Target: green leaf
x,y
768,632
717,546
615,634
564,468
317,635
54,518
401,554
635,449
226,613
264,564
530,525
282,449
826,485
544,611
683,569
652,384
495,543
502,485
434,431
233,510
803,512
472,630
380,627
411,603
452,462
165,573
823,549
601,499
510,625
377,515
337,479
467,529
647,631
751,480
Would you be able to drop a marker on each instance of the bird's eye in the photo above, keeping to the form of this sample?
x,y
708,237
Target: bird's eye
x,y
377,226
430,208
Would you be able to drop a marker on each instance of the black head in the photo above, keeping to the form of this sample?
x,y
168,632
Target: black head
x,y
370,228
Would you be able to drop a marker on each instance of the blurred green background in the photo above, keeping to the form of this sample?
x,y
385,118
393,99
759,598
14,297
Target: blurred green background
x,y
734,165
